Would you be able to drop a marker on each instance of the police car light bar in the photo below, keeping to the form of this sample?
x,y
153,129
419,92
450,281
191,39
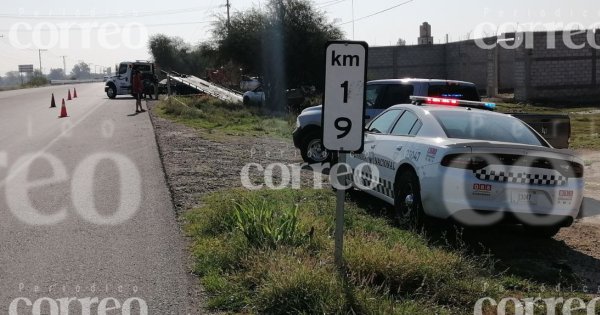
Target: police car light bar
x,y
420,100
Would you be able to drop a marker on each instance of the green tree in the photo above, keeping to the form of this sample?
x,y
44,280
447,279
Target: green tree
x,y
56,74
173,54
284,43
81,71
12,78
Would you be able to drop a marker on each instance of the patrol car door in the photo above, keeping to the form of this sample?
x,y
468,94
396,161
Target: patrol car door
x,y
376,131
396,148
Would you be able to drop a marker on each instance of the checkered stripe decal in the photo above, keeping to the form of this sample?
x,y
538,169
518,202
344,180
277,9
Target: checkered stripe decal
x,y
384,187
521,178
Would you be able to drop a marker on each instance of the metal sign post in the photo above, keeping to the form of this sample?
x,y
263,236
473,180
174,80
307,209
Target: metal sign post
x,y
343,115
24,69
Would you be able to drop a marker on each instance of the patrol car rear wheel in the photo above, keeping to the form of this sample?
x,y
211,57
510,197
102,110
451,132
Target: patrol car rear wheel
x,y
407,201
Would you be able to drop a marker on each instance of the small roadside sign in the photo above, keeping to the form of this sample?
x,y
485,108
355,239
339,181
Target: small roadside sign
x,y
343,101
344,117
26,68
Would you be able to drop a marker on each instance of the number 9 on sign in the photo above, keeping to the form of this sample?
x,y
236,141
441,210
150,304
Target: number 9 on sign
x,y
344,125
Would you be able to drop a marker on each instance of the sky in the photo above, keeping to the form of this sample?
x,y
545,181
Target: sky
x,y
104,35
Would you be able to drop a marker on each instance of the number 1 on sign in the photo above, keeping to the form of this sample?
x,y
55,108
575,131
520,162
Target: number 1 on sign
x,y
345,86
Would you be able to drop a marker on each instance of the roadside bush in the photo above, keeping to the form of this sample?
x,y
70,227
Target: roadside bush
x,y
219,254
213,115
36,81
174,108
401,269
266,225
300,287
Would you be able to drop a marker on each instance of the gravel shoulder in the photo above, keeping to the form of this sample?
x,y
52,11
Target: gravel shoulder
x,y
196,164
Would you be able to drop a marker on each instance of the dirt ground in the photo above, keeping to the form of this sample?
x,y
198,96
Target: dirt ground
x,y
195,164
584,237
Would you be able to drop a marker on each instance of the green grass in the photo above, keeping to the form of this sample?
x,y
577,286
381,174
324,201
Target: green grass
x,y
219,118
387,269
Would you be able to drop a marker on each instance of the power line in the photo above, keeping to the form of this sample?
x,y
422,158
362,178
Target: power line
x,y
76,28
376,13
330,3
108,16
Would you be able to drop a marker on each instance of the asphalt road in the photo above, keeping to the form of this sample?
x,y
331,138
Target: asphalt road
x,y
85,211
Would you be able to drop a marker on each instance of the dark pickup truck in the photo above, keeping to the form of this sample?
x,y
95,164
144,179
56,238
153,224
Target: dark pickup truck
x,y
555,128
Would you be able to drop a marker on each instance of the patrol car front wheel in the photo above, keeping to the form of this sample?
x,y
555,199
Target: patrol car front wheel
x,y
312,150
407,201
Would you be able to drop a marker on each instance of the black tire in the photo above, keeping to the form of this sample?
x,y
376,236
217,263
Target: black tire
x,y
112,91
407,202
246,101
542,231
312,149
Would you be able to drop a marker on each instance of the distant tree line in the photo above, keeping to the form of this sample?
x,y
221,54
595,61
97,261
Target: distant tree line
x,y
283,43
80,71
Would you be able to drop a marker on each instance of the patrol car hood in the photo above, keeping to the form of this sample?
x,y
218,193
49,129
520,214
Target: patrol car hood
x,y
506,147
313,108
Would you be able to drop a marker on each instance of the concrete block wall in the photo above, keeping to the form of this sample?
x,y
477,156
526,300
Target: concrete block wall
x,y
406,61
506,69
558,73
467,62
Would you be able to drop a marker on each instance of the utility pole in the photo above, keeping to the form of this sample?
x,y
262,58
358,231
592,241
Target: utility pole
x,y
40,55
64,64
228,17
352,19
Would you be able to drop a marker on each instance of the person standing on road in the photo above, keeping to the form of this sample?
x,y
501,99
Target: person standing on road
x,y
137,89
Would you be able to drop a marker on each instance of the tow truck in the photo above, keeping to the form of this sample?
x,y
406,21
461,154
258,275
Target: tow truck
x,y
121,83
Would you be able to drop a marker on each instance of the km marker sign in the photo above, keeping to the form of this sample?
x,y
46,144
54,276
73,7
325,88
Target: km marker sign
x,y
343,102
346,60
344,116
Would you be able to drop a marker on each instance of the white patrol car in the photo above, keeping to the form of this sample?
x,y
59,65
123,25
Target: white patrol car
x,y
459,160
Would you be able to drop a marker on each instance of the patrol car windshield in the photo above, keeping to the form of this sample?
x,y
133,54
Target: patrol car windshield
x,y
481,126
455,91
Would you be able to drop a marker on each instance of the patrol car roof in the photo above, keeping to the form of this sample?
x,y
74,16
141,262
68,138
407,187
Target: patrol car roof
x,y
441,108
430,81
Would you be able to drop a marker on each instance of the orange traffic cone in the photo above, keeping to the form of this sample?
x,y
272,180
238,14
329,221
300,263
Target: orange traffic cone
x,y
74,93
69,96
52,102
63,110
